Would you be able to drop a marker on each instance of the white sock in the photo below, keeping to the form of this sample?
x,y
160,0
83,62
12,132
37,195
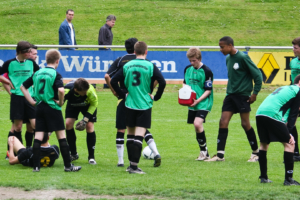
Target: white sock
x,y
120,151
152,146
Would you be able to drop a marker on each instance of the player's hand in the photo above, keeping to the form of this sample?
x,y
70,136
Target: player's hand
x,y
151,96
195,102
11,85
115,94
292,140
80,126
252,98
11,140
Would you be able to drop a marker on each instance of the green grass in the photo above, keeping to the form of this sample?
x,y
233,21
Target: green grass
x,y
179,176
164,22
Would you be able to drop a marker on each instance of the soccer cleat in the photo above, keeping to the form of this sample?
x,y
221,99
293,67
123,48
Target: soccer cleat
x,y
215,158
157,160
128,169
120,165
202,156
136,171
296,158
36,169
72,168
253,158
92,161
265,180
74,157
290,181
7,155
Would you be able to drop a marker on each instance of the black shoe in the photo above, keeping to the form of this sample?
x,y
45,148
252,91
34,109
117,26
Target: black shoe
x,y
290,181
296,158
157,160
74,157
36,169
136,171
265,180
120,165
72,168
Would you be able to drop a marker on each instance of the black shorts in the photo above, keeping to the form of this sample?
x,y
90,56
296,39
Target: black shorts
x,y
196,113
140,118
24,156
20,108
121,115
48,119
73,112
236,104
270,130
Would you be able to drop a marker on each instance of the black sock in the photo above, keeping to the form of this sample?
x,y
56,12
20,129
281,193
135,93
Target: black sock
x,y
295,134
222,137
36,153
252,139
137,151
263,164
201,139
129,143
71,138
28,138
148,137
91,142
64,150
9,134
120,138
18,135
289,164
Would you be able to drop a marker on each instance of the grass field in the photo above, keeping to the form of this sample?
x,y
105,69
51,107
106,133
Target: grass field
x,y
179,176
162,22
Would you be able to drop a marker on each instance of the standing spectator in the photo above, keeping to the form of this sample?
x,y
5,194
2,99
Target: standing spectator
x,y
105,34
242,72
67,32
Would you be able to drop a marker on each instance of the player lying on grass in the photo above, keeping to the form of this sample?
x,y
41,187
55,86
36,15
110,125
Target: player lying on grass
x,y
49,153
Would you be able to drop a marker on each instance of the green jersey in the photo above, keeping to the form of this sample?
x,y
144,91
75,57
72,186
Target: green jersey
x,y
241,73
200,80
282,105
46,82
18,72
295,68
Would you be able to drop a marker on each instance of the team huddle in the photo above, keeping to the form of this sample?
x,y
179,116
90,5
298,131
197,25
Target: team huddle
x,y
37,96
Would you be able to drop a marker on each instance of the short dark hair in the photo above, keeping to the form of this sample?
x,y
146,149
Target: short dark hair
x,y
45,138
129,44
296,41
228,40
140,48
111,17
81,84
69,10
297,79
23,47
34,47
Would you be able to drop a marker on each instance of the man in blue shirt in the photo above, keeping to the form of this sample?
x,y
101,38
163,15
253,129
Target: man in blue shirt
x,y
66,31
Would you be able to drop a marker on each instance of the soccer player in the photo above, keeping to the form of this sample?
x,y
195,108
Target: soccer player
x,y
138,76
121,109
49,153
241,73
295,70
279,108
200,78
82,98
49,95
19,69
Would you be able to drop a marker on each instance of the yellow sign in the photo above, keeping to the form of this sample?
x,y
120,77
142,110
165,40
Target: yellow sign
x,y
274,66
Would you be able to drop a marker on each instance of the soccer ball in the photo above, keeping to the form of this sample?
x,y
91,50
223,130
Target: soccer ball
x,y
147,153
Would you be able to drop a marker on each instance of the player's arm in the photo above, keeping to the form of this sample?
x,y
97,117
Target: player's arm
x,y
118,77
24,88
111,72
58,82
12,158
93,100
293,112
7,84
161,83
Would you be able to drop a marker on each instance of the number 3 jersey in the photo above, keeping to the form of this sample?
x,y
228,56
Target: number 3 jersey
x,y
282,105
46,82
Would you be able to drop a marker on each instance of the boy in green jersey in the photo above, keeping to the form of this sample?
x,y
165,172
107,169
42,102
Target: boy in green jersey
x,y
295,70
200,78
82,98
138,76
242,72
49,96
275,119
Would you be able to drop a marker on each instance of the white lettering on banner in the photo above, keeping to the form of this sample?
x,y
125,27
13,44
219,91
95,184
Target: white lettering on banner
x,y
165,66
107,63
75,62
1,62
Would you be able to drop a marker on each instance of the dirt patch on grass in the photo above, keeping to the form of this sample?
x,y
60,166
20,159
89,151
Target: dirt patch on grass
x,y
17,193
